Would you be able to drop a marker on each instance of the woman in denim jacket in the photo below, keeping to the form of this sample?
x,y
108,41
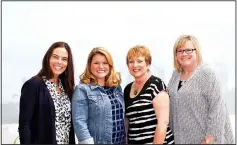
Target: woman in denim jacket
x,y
98,102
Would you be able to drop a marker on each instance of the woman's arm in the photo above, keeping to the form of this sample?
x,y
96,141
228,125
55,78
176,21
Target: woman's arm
x,y
161,107
26,111
126,130
80,116
217,109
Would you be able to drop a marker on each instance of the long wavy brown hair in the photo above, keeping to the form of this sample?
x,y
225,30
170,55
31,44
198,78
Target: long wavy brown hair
x,y
113,79
67,77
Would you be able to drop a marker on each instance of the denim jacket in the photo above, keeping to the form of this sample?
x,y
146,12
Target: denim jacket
x,y
92,113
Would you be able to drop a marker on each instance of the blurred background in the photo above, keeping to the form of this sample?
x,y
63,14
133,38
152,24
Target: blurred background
x,y
29,28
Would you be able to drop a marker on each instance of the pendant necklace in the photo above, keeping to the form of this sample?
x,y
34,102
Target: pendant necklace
x,y
135,91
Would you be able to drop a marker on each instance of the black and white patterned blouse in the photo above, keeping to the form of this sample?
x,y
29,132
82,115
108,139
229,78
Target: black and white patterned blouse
x,y
62,106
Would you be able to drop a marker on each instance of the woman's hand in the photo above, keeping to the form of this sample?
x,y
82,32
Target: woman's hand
x,y
208,140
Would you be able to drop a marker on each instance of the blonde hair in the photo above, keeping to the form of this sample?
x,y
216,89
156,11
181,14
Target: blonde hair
x,y
139,50
113,79
180,43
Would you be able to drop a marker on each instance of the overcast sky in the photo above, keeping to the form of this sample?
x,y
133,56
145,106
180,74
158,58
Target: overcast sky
x,y
29,28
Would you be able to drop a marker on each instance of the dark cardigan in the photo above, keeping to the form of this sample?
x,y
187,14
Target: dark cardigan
x,y
37,115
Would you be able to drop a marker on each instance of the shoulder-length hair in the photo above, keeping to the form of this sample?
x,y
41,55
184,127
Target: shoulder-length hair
x,y
67,77
180,43
113,79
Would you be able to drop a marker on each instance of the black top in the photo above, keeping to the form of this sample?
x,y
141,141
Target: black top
x,y
141,114
181,83
37,115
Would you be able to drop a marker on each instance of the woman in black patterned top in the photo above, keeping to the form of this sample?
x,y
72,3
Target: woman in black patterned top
x,y
45,102
146,102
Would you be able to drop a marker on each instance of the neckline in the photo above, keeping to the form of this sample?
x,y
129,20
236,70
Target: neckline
x,y
182,82
178,77
144,86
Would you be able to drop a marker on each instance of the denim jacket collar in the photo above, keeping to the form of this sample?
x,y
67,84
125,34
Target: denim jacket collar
x,y
94,86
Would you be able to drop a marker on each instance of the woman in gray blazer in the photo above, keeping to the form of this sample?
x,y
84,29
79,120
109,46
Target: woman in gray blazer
x,y
198,112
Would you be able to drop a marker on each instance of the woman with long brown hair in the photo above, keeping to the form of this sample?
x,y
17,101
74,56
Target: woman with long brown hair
x,y
45,102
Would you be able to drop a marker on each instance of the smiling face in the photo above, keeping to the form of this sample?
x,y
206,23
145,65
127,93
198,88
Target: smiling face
x,y
138,67
58,61
99,67
184,59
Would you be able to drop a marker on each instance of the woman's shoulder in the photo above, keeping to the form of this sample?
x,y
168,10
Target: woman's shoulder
x,y
82,86
34,84
128,86
155,80
34,81
87,87
206,69
206,72
175,74
119,88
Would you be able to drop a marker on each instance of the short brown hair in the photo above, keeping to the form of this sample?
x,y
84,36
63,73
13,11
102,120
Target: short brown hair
x,y
139,50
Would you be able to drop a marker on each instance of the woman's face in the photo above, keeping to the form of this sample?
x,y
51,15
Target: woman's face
x,y
186,58
99,67
58,61
137,66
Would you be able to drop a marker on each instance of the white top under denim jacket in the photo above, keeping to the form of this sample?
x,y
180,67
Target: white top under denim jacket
x,y
92,113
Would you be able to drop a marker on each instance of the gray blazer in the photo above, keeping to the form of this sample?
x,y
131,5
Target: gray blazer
x,y
197,108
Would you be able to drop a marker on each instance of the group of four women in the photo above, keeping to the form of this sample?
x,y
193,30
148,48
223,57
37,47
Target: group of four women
x,y
190,110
